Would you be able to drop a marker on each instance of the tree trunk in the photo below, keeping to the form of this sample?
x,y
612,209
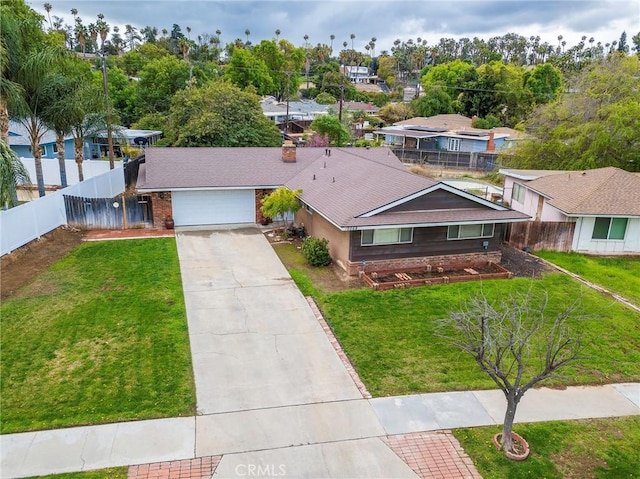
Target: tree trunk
x,y
79,157
37,157
61,164
509,416
4,121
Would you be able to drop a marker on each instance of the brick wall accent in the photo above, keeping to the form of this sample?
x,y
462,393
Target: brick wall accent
x,y
161,208
353,268
260,194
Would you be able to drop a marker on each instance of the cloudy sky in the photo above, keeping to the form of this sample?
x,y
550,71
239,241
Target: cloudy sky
x,y
386,20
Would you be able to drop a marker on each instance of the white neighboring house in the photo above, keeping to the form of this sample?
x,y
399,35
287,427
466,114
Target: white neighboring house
x,y
603,203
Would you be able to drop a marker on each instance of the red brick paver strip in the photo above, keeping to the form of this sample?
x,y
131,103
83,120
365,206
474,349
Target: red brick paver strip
x,y
338,348
100,235
433,455
198,468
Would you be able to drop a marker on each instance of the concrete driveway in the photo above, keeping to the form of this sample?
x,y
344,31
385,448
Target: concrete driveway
x,y
255,342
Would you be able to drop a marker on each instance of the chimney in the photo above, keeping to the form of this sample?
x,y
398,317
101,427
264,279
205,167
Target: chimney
x,y
288,152
491,145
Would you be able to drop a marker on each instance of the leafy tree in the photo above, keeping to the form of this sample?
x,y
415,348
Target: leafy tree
x,y
453,77
123,95
12,174
284,61
544,82
434,102
219,114
280,202
596,125
246,69
394,112
159,80
330,126
518,341
325,98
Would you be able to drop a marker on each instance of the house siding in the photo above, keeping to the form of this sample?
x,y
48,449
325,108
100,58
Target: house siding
x,y
436,200
316,225
583,242
426,242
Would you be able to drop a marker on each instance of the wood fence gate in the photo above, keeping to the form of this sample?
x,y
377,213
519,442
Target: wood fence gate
x,y
109,213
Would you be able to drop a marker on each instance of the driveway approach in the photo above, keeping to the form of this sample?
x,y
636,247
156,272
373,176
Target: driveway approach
x,y
255,343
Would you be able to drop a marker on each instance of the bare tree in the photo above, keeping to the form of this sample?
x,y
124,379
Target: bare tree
x,y
517,342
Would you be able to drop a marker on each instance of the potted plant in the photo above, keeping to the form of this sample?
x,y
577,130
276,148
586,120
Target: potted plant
x,y
168,222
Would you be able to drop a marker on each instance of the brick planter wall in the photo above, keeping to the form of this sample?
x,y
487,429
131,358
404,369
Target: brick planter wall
x,y
161,208
354,268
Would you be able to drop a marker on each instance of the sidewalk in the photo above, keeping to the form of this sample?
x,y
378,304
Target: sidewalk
x,y
143,442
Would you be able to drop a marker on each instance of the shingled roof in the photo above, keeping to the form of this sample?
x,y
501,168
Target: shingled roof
x,y
342,184
603,191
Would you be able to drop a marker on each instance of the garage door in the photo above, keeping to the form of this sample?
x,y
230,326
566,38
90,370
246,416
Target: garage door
x,y
191,208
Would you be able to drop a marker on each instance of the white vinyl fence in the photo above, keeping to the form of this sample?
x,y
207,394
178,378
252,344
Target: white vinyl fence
x,y
31,220
51,170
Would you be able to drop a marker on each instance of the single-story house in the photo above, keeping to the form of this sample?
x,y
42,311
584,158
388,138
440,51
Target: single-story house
x,y
601,206
94,147
374,212
298,110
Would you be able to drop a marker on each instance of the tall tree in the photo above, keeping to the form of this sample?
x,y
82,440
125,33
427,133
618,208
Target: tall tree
x,y
219,114
597,124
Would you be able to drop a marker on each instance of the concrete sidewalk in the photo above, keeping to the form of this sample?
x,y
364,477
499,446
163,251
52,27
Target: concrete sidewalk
x,y
109,445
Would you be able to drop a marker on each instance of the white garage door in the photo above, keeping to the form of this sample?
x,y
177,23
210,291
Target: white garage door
x,y
191,208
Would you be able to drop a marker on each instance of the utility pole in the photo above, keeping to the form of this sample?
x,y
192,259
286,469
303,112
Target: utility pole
x,y
341,98
286,126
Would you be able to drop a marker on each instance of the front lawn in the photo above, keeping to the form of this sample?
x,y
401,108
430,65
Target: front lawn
x,y
99,337
619,274
392,336
111,473
593,448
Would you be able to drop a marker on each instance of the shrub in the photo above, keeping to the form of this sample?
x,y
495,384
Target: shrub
x,y
315,251
325,99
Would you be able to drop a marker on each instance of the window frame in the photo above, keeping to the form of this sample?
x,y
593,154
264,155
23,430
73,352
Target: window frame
x,y
518,193
610,220
483,233
453,144
382,243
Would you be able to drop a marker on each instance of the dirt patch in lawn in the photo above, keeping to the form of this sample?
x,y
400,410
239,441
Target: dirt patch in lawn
x,y
21,266
523,264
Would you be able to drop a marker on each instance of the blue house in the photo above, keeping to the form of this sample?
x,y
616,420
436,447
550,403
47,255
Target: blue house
x,y
444,133
94,147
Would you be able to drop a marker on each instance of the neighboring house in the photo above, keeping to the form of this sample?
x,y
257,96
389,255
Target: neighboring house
x,y
444,133
305,110
599,209
94,147
374,213
356,74
20,142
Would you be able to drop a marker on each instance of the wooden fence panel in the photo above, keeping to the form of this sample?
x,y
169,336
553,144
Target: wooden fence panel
x,y
555,236
100,213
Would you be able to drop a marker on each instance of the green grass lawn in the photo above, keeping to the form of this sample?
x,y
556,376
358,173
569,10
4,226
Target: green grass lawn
x,y
594,448
620,275
99,337
111,473
392,336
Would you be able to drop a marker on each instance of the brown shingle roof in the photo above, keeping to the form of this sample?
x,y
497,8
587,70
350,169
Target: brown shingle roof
x,y
603,191
342,187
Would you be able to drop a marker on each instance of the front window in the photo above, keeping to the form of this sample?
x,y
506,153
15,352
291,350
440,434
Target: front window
x,y
454,144
609,228
387,236
470,231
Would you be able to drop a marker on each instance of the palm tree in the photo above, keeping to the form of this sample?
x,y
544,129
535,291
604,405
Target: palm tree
x,y
32,77
277,34
81,35
47,7
189,33
247,32
352,36
332,37
12,174
74,12
306,37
